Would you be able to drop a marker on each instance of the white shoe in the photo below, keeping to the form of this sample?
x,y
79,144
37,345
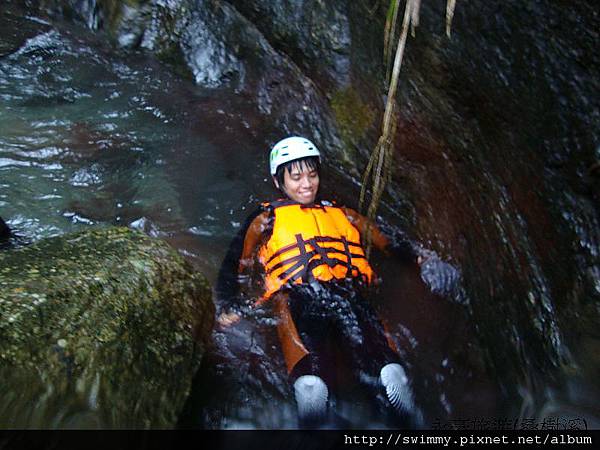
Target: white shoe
x,y
394,380
311,397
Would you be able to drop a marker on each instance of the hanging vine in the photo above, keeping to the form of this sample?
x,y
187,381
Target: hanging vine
x,y
379,168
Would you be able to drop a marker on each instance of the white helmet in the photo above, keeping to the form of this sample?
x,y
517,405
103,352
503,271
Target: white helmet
x,y
289,149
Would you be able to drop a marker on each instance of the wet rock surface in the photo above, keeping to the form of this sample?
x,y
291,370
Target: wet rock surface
x,y
315,34
99,329
495,138
308,66
16,27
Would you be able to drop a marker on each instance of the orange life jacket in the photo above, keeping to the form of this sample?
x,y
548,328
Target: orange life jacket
x,y
315,242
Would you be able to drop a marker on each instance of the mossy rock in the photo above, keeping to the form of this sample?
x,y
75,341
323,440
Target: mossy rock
x,y
99,329
354,116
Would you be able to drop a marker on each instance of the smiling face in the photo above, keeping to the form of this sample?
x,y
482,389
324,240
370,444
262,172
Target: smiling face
x,y
300,182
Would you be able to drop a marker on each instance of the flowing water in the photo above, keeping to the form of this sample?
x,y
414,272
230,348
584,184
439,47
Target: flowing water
x,y
93,136
90,138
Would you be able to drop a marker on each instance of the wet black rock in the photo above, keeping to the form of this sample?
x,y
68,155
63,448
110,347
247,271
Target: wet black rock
x,y
315,35
496,134
336,44
308,66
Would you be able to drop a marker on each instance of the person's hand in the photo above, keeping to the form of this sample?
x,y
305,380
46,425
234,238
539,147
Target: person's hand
x,y
227,319
439,276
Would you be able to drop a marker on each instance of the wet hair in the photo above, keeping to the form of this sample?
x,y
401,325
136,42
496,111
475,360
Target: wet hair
x,y
310,162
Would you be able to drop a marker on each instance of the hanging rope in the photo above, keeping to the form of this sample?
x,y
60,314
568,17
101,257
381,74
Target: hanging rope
x,y
449,15
379,169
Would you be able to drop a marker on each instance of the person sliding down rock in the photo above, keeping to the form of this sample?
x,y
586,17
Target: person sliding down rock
x,y
316,276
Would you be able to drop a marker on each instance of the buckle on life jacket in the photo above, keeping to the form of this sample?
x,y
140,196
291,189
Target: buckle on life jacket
x,y
287,202
312,206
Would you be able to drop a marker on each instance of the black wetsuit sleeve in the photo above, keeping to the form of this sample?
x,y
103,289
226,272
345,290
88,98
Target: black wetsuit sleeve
x,y
228,286
403,250
399,245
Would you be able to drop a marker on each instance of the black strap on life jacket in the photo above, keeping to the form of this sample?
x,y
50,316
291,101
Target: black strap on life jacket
x,y
314,242
305,262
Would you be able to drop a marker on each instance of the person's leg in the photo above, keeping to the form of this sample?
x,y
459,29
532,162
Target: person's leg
x,y
376,363
308,328
361,332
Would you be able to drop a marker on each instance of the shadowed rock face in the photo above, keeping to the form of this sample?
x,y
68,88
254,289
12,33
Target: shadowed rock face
x,y
493,149
315,35
99,329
